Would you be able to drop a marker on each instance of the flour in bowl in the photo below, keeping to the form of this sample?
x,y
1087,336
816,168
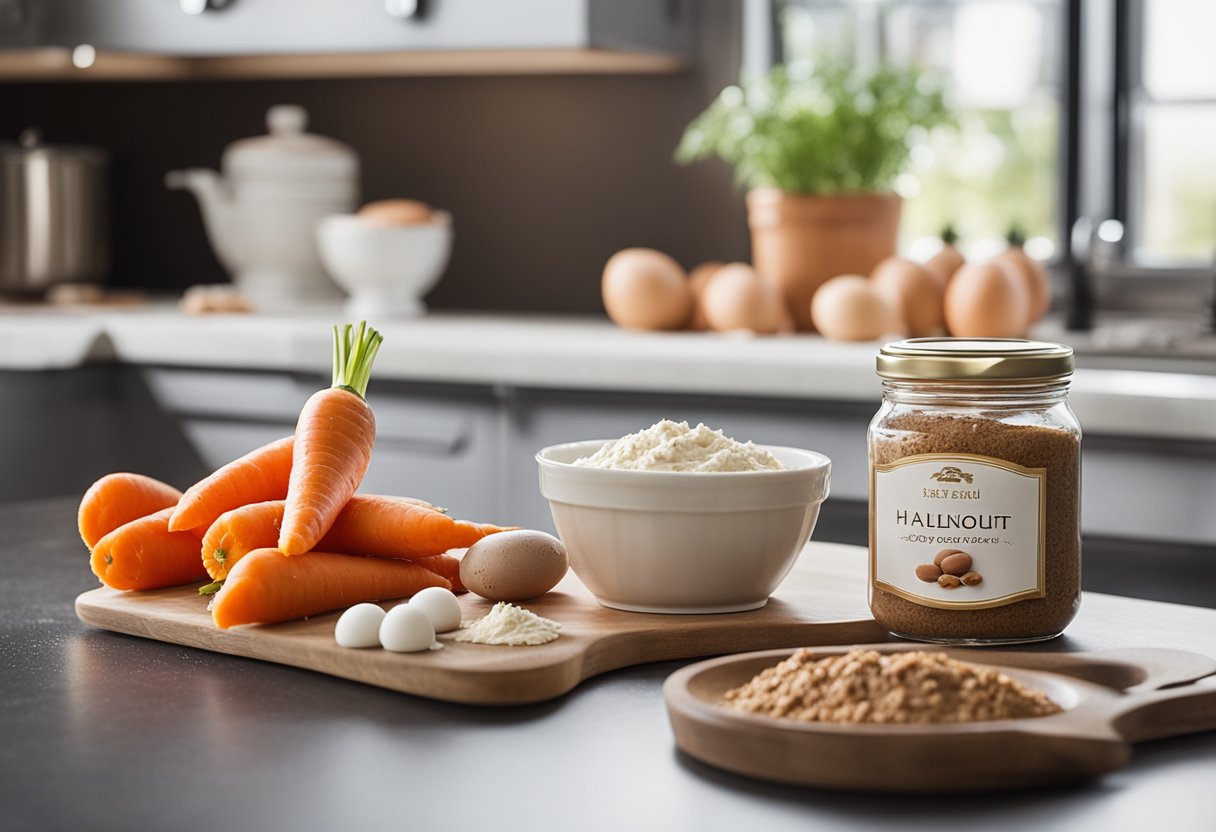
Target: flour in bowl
x,y
674,446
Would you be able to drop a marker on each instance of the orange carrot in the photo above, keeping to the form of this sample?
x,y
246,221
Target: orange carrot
x,y
333,446
117,499
238,532
261,474
267,586
389,527
144,554
445,566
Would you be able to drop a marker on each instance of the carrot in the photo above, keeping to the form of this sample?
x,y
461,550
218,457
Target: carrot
x,y
334,438
267,586
117,499
238,532
445,566
388,527
261,474
144,554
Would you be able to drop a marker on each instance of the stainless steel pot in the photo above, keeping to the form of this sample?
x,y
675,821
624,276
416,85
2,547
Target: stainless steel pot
x,y
54,215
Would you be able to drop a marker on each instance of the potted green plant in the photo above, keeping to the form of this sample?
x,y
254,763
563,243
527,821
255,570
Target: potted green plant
x,y
819,151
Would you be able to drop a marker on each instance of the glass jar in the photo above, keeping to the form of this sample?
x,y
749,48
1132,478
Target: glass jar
x,y
975,491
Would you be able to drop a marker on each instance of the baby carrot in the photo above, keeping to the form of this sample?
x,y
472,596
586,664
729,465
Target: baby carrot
x,y
389,527
117,499
334,438
261,474
144,554
267,586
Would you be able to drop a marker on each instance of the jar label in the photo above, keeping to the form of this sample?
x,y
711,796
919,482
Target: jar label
x,y
958,531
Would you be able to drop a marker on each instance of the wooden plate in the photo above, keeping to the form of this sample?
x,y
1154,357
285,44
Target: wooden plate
x,y
1111,699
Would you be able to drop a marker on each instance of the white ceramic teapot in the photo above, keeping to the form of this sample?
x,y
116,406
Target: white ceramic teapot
x,y
261,214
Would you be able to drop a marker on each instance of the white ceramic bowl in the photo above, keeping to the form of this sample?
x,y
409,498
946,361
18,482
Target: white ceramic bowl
x,y
675,542
386,270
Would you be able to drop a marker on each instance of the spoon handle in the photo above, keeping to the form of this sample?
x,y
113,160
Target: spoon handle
x,y
1171,712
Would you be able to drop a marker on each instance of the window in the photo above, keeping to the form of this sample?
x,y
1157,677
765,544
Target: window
x,y
1148,161
1169,144
1000,62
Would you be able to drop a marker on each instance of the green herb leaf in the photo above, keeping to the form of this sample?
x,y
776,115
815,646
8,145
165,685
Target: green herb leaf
x,y
835,130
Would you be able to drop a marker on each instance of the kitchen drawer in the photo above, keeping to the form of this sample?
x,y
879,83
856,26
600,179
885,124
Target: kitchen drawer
x,y
540,418
243,396
461,476
440,444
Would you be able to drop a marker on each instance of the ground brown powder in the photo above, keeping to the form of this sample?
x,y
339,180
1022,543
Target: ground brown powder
x,y
867,686
1030,445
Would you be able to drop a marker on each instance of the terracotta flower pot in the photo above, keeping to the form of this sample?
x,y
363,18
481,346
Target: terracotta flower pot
x,y
799,241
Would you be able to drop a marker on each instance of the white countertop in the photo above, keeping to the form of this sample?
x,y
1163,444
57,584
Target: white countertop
x,y
564,352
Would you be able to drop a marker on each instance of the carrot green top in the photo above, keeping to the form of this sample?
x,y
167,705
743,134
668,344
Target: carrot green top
x,y
353,357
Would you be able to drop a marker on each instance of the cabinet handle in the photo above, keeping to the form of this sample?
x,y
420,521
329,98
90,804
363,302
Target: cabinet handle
x,y
406,9
193,7
428,444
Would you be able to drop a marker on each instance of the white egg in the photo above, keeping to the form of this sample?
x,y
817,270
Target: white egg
x,y
359,626
441,606
406,629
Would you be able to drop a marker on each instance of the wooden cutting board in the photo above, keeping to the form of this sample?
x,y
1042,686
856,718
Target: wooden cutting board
x,y
1111,699
812,607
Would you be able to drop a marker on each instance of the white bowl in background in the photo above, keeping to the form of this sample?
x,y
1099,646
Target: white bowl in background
x,y
683,542
386,270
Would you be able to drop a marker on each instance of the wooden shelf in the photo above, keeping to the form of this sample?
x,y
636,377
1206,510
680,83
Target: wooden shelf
x,y
55,64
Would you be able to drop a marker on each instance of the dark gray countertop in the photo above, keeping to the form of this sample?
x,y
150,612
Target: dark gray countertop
x,y
101,731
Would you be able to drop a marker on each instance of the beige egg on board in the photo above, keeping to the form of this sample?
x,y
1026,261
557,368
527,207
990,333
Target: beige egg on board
x,y
915,293
736,297
1032,274
850,308
986,300
387,212
698,279
645,289
514,566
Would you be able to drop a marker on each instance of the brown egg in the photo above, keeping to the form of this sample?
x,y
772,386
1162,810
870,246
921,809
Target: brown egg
x,y
514,566
985,300
1033,276
395,212
945,263
645,289
698,279
736,297
850,308
915,293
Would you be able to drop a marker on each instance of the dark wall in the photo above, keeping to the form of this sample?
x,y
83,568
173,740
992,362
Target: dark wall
x,y
545,176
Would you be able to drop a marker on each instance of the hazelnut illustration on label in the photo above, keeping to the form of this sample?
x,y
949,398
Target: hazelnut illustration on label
x,y
950,570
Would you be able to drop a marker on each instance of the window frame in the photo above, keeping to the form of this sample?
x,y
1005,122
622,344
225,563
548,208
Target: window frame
x,y
1114,37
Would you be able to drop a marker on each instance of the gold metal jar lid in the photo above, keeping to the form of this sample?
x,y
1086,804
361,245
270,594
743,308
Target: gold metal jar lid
x,y
974,359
